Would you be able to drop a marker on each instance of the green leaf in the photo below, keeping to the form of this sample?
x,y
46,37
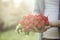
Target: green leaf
x,y
27,33
18,28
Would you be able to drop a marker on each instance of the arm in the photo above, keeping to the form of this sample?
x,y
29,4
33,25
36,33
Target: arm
x,y
55,23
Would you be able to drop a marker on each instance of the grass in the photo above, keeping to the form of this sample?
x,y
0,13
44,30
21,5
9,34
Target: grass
x,y
12,35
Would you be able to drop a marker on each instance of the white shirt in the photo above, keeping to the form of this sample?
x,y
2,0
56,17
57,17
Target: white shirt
x,y
52,11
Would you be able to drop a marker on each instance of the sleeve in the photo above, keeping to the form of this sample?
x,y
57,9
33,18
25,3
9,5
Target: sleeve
x,y
52,9
39,6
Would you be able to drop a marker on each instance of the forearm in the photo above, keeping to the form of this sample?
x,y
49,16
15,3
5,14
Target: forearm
x,y
55,23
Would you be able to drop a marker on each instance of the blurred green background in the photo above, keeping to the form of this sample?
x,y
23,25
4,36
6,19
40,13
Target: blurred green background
x,y
12,35
11,12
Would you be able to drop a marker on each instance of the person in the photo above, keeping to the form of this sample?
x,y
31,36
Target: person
x,y
50,8
52,11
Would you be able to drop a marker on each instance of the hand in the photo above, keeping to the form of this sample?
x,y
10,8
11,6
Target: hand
x,y
55,23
